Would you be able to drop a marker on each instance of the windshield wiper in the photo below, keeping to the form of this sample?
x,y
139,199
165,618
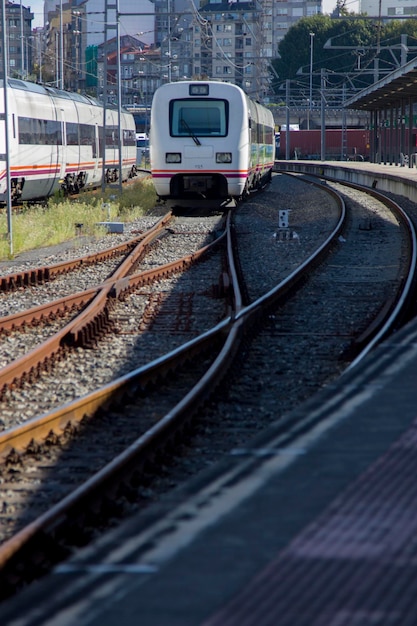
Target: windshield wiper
x,y
190,132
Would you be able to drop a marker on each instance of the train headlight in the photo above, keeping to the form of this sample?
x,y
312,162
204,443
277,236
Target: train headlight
x,y
173,157
223,157
199,89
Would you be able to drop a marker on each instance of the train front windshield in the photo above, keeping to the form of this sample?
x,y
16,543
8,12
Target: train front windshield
x,y
199,117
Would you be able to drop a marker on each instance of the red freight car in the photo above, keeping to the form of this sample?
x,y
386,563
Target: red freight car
x,y
353,144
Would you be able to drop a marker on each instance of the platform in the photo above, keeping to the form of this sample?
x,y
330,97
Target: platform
x,y
397,179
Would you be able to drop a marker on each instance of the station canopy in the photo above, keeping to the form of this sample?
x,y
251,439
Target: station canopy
x,y
399,85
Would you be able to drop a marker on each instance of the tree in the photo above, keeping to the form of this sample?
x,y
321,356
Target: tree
x,y
349,49
394,36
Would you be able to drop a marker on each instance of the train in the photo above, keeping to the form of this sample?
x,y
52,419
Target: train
x,y
55,142
209,140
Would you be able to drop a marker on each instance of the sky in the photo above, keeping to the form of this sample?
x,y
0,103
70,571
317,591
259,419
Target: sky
x,y
36,6
329,5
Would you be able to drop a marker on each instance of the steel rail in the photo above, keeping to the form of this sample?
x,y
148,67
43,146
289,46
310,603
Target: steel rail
x,y
230,331
92,320
14,320
39,275
272,296
46,311
389,316
392,312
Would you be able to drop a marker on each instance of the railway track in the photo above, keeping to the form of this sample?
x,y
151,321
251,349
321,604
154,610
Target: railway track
x,y
108,306
153,422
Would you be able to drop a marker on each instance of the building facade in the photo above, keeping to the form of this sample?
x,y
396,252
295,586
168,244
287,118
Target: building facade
x,y
63,56
139,69
286,13
224,40
389,8
136,18
229,44
21,45
231,40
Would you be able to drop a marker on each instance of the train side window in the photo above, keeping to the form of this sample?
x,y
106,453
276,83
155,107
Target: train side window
x,y
269,135
87,137
72,134
112,137
129,137
31,131
254,132
53,132
39,131
25,129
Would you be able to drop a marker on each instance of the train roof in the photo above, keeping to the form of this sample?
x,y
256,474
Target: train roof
x,y
16,83
24,85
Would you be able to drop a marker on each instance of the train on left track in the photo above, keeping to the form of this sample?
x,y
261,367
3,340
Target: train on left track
x,y
55,142
209,140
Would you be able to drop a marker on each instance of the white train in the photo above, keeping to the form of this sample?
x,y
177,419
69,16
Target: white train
x,y
209,140
55,142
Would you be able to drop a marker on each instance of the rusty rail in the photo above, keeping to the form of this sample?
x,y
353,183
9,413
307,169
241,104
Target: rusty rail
x,y
106,483
40,275
227,336
94,319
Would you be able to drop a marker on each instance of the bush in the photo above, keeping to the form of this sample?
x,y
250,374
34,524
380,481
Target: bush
x,y
37,226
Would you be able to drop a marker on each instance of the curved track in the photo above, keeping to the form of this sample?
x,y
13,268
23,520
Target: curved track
x,y
216,350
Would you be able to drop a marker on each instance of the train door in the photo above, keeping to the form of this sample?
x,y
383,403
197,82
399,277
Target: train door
x,y
12,145
61,146
55,150
98,167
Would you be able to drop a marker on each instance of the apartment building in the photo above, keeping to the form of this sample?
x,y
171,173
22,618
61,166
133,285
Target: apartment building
x,y
227,40
20,40
389,8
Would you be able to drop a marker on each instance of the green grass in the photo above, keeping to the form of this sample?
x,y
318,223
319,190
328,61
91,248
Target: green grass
x,y
38,226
